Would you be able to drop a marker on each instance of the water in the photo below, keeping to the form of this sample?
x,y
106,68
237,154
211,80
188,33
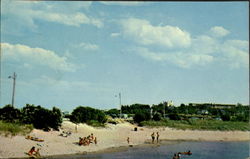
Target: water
x,y
200,150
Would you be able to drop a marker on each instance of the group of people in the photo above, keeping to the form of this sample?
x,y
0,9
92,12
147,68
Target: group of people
x,y
85,141
33,152
178,155
153,137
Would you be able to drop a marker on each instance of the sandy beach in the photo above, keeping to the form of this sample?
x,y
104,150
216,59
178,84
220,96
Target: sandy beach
x,y
112,136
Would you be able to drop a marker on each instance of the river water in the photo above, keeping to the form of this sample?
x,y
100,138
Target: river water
x,y
200,150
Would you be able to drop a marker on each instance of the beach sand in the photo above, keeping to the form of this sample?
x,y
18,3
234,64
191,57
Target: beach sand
x,y
108,138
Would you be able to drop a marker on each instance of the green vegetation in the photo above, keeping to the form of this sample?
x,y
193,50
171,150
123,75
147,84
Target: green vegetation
x,y
202,117
14,128
199,124
37,116
88,115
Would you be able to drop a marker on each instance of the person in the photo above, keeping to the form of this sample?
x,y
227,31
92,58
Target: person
x,y
153,137
157,136
32,150
128,140
176,156
95,140
80,141
76,128
189,152
91,137
37,153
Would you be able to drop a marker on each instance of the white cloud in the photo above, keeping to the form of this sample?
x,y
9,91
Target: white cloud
x,y
180,59
219,31
115,34
201,50
204,44
35,57
88,46
144,33
236,53
63,13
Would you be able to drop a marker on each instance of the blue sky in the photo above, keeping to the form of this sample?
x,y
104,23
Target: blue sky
x,y
68,54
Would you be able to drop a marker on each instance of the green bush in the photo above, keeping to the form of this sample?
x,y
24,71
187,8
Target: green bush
x,y
157,117
10,114
38,116
42,118
141,116
85,114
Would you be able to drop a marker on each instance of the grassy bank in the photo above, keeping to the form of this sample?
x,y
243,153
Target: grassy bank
x,y
200,125
14,128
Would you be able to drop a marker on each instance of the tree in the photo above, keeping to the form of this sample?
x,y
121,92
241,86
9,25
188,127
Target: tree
x,y
141,116
41,118
157,117
174,116
84,114
113,113
10,114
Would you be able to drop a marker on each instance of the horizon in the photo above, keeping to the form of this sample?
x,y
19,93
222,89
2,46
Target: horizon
x,y
70,54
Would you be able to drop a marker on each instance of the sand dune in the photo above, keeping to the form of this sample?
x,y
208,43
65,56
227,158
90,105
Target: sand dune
x,y
110,136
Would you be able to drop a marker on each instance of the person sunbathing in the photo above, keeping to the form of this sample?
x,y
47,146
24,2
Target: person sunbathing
x,y
37,153
31,151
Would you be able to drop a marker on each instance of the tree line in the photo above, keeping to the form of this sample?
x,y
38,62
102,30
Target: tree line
x,y
46,119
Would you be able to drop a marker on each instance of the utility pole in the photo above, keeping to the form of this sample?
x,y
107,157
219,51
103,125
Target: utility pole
x,y
120,97
14,85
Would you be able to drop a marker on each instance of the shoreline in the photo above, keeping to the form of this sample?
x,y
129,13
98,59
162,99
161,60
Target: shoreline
x,y
125,148
110,139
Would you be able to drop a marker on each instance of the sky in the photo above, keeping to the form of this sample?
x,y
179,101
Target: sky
x,y
74,53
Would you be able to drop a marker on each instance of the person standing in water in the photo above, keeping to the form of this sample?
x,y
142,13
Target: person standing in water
x,y
157,136
153,137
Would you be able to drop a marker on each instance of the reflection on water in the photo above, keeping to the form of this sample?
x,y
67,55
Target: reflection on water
x,y
200,150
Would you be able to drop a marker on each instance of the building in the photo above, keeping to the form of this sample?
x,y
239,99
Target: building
x,y
213,105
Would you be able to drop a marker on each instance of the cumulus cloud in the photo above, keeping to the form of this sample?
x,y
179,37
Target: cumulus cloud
x,y
64,13
88,46
219,31
235,53
203,50
144,33
180,59
35,57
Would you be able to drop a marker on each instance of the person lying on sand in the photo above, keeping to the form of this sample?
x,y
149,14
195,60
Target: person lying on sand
x,y
31,151
37,153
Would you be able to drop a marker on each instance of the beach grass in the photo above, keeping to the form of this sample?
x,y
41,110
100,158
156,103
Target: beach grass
x,y
199,125
14,128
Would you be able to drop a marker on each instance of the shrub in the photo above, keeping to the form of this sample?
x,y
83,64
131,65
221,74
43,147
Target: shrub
x,y
157,117
174,116
10,114
141,116
42,118
85,114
